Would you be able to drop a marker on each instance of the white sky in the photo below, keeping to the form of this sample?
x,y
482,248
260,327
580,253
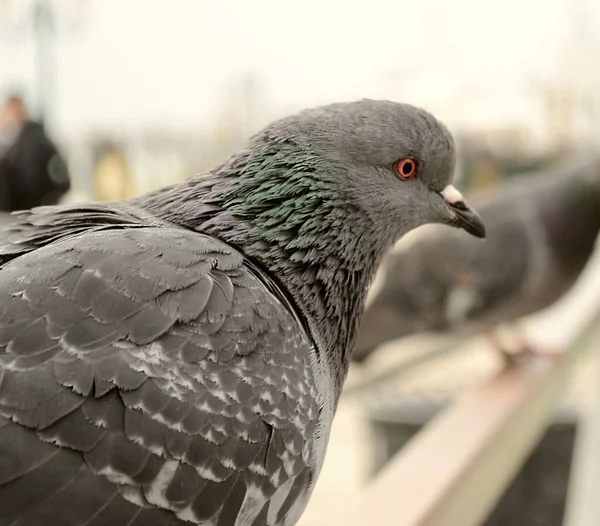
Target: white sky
x,y
168,62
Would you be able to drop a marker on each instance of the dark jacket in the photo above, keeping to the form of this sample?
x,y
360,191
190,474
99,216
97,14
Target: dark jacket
x,y
32,172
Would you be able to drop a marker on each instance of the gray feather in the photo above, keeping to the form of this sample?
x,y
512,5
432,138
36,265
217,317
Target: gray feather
x,y
161,376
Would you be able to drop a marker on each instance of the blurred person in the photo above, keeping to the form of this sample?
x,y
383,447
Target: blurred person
x,y
32,171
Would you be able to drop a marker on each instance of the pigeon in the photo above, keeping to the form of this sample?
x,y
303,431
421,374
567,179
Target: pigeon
x,y
176,358
542,229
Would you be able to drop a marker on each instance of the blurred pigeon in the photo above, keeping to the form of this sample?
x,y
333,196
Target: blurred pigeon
x,y
542,229
177,358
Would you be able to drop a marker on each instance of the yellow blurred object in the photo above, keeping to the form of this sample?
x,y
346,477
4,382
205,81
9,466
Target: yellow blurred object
x,y
112,178
486,174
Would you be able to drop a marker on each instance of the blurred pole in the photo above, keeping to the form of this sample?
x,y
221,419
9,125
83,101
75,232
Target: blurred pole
x,y
44,59
578,69
38,20
251,102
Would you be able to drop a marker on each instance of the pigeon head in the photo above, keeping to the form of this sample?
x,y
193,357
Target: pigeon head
x,y
395,162
317,198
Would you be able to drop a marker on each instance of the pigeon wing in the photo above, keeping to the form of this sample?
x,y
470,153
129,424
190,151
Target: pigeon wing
x,y
148,376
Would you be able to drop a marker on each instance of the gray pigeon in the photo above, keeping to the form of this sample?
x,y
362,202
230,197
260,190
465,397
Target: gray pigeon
x,y
542,229
178,357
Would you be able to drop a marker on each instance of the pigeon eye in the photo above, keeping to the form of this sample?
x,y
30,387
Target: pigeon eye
x,y
406,168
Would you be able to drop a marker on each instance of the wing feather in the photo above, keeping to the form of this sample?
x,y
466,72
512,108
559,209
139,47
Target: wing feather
x,y
165,376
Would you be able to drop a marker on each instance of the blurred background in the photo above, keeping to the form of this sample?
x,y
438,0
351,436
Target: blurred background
x,y
137,94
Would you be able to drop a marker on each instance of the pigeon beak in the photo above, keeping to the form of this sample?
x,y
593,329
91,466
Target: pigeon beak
x,y
463,215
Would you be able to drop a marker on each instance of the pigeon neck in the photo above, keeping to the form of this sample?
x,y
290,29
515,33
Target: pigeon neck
x,y
281,213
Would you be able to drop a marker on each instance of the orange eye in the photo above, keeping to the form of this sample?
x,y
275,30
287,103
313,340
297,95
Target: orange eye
x,y
406,168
